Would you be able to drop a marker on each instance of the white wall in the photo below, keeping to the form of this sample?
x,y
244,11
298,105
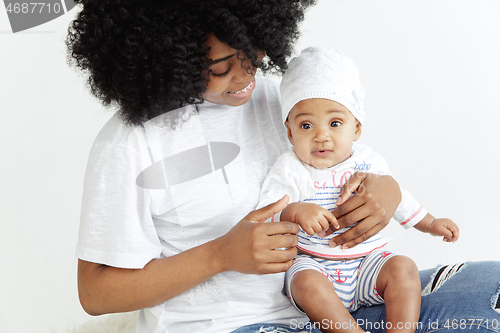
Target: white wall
x,y
432,79
431,73
47,123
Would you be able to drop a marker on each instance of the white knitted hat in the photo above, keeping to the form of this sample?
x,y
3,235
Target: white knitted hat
x,y
321,72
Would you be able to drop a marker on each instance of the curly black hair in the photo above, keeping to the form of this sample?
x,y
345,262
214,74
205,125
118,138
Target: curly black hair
x,y
150,56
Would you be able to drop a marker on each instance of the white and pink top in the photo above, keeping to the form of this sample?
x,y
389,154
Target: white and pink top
x,y
304,183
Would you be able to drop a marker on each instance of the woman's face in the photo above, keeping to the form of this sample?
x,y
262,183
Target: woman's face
x,y
230,83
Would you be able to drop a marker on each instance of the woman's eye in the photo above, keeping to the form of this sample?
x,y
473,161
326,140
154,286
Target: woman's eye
x,y
220,71
305,126
335,124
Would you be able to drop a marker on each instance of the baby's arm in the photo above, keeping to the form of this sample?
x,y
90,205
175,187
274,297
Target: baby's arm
x,y
311,217
439,227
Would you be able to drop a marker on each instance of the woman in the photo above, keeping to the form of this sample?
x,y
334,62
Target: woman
x,y
173,178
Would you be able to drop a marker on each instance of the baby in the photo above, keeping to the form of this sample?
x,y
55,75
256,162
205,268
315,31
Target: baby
x,y
322,108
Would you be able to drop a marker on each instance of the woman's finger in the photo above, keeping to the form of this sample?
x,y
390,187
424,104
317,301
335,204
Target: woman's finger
x,y
273,268
352,184
282,241
265,213
282,255
354,210
350,205
278,228
365,229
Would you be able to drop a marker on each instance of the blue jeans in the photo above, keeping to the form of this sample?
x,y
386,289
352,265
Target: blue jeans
x,y
456,298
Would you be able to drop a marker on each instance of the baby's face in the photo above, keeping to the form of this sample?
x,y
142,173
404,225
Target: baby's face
x,y
322,132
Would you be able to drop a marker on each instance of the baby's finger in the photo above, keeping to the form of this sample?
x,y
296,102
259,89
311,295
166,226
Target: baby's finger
x,y
309,230
453,238
456,233
328,232
332,220
446,233
323,223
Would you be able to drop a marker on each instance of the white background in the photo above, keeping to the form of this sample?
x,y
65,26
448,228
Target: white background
x,y
432,77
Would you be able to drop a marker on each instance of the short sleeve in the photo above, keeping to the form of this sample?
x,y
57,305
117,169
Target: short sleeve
x,y
116,227
409,211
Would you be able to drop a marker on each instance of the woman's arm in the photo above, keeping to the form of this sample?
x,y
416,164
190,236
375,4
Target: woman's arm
x,y
249,247
374,203
105,289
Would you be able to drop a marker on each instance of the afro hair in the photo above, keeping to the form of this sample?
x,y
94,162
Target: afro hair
x,y
150,56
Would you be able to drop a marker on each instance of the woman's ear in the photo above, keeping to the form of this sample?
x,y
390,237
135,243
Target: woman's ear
x,y
289,132
357,133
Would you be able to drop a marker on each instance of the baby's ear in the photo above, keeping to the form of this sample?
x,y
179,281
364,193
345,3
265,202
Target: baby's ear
x,y
357,133
289,132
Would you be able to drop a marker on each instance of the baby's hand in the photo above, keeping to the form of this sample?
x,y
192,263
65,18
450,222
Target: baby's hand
x,y
311,217
444,227
315,219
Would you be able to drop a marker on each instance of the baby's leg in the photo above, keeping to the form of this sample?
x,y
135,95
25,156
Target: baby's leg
x,y
399,284
315,295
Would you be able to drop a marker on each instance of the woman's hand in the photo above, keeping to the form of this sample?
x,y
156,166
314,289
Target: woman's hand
x,y
374,202
254,247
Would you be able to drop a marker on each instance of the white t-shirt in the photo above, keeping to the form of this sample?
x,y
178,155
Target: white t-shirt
x,y
305,183
154,191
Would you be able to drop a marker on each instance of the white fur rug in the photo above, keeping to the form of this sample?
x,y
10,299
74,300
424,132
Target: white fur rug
x,y
114,323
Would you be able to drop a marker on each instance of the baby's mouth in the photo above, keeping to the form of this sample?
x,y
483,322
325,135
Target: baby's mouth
x,y
322,152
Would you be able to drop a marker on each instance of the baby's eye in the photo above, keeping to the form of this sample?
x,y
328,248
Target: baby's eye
x,y
305,126
335,124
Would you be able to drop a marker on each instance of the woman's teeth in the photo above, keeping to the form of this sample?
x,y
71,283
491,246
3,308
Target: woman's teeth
x,y
242,90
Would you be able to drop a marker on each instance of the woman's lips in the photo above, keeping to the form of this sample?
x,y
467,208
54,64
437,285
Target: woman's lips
x,y
245,92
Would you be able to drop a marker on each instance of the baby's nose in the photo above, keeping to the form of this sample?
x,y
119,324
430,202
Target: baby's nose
x,y
321,136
